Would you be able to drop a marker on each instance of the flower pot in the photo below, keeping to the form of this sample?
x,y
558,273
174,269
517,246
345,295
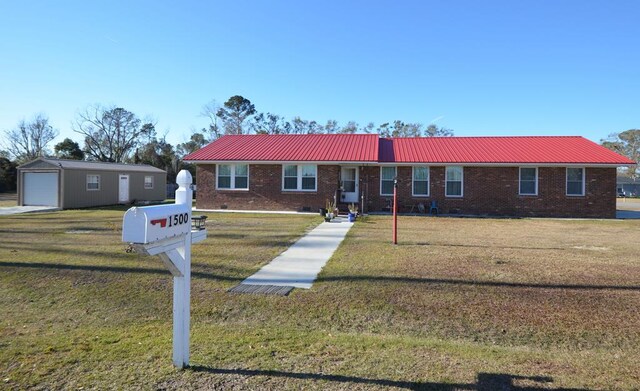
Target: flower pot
x,y
352,217
323,212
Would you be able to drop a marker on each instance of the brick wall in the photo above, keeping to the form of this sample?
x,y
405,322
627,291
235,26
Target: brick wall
x,y
265,190
487,191
494,191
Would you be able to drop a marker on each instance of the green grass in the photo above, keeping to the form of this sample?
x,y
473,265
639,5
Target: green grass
x,y
458,304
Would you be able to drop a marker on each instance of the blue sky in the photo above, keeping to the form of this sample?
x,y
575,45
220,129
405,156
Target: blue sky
x,y
480,68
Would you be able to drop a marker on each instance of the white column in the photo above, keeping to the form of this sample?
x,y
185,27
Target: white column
x,y
182,284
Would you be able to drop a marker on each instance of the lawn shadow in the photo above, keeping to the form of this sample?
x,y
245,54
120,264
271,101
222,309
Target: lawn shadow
x,y
114,269
485,381
421,280
481,246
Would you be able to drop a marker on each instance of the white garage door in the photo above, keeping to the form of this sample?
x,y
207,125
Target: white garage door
x,y
40,188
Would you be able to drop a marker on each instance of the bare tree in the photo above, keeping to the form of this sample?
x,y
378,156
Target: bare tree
x,y
29,140
110,133
269,124
626,143
435,131
210,111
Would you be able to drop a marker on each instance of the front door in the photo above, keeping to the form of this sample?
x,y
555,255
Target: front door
x,y
123,189
349,180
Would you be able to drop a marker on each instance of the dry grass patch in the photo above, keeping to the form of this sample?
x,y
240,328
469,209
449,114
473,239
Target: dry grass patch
x,y
8,199
458,304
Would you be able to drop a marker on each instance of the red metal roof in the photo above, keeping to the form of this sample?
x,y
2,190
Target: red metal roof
x,y
444,150
291,148
498,150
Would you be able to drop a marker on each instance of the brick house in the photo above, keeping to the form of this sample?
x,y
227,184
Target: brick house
x,y
498,176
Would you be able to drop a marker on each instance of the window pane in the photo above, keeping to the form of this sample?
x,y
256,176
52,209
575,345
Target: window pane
x,y
420,187
242,169
387,187
527,174
574,188
388,173
93,182
348,174
241,182
454,188
224,169
420,173
349,186
574,174
291,170
454,173
308,170
224,182
308,183
291,183
527,187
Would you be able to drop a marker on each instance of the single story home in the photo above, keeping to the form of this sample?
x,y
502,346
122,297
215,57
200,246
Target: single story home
x,y
628,186
78,184
501,176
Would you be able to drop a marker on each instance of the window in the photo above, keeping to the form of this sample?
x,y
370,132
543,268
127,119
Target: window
x,y
233,176
420,181
386,180
148,182
528,181
299,177
453,180
575,181
93,182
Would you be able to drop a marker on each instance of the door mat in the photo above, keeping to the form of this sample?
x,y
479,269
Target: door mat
x,y
262,289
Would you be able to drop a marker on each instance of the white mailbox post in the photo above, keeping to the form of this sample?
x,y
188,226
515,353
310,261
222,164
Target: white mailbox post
x,y
165,230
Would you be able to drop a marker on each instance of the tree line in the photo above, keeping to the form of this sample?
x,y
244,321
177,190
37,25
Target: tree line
x,y
114,134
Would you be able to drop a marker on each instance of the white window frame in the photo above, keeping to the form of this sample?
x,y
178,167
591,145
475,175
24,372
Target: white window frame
x,y
232,183
584,180
395,175
535,193
413,179
98,182
299,178
145,182
446,181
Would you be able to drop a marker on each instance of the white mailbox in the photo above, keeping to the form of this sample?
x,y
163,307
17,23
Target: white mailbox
x,y
151,224
165,230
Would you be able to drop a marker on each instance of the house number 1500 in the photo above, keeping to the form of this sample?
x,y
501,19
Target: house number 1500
x,y
182,218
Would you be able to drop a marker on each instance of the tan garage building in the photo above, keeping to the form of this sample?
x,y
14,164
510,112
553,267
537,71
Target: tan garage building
x,y
78,184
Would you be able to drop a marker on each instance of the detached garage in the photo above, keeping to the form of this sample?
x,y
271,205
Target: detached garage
x,y
77,184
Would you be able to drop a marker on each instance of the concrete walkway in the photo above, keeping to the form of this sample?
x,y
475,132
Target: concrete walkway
x,y
299,265
12,210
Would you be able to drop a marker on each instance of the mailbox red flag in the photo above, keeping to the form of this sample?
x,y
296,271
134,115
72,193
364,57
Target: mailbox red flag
x,y
162,222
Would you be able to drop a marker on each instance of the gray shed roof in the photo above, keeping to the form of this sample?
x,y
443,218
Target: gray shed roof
x,y
95,166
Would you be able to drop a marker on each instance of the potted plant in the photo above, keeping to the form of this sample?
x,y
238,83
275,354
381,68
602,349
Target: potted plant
x,y
353,212
330,211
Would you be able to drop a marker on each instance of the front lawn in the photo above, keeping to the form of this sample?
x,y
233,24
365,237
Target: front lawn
x,y
8,199
458,304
